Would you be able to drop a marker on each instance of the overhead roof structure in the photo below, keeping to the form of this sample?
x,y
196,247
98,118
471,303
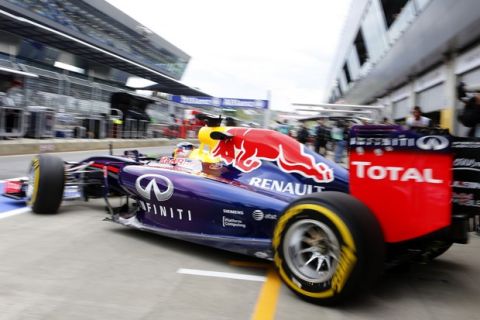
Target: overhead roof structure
x,y
17,72
80,45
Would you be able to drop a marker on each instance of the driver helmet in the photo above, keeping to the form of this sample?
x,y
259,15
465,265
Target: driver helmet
x,y
183,150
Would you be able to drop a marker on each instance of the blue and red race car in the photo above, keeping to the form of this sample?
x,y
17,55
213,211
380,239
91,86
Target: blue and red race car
x,y
258,192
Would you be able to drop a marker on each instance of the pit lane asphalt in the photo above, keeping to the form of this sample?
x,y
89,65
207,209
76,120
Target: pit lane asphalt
x,y
74,265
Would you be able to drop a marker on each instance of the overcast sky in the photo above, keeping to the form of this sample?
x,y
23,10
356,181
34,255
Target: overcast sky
x,y
244,49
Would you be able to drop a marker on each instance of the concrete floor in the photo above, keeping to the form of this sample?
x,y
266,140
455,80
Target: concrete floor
x,y
74,265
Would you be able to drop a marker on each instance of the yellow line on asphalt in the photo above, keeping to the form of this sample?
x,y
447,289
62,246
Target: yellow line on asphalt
x,y
267,300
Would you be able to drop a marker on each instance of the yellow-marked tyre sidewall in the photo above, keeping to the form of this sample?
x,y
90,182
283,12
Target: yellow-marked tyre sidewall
x,y
324,291
47,174
35,167
358,233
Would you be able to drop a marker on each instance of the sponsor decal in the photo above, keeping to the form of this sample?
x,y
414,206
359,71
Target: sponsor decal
x,y
249,146
234,223
172,161
269,216
298,189
364,169
195,100
465,199
151,185
167,212
466,163
258,215
261,255
71,192
424,143
296,282
215,166
382,142
232,211
221,102
433,143
216,102
466,184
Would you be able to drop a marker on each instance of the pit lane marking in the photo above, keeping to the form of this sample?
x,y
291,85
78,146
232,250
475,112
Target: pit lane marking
x,y
268,297
14,212
266,305
17,178
229,275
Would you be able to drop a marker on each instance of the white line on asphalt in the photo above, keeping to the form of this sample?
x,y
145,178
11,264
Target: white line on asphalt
x,y
14,212
17,178
237,276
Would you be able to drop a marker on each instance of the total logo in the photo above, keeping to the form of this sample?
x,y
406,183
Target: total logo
x,y
258,215
364,169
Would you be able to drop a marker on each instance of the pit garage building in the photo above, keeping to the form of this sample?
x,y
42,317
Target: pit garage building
x,y
402,53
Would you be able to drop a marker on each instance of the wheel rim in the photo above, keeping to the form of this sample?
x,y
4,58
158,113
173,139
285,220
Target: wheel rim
x,y
311,250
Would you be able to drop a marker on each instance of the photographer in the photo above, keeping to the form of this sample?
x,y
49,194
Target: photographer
x,y
470,115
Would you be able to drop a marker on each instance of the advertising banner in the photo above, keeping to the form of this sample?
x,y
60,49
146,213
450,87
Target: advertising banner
x,y
221,102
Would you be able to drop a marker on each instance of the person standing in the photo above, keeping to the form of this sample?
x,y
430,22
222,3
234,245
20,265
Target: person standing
x,y
385,121
303,134
416,119
321,138
8,84
283,127
339,136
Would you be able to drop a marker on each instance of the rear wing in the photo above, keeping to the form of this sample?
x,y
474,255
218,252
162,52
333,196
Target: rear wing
x,y
404,176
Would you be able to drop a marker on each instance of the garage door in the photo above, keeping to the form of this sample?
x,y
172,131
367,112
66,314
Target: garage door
x,y
432,99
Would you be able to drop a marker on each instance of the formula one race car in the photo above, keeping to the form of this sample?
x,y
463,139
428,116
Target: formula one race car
x,y
258,192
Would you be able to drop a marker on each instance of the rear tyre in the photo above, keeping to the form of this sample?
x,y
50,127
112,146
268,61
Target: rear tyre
x,y
46,184
328,246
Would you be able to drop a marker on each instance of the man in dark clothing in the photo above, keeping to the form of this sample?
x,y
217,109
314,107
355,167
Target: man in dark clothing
x,y
302,135
321,138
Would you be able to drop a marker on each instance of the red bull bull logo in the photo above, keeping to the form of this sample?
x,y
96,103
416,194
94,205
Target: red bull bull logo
x,y
248,147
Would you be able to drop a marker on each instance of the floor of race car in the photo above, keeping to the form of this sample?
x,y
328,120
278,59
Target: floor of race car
x,y
74,265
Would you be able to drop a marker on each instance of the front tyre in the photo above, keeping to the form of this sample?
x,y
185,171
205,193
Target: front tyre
x,y
328,246
46,184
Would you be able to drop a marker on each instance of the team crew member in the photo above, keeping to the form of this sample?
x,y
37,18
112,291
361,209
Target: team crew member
x,y
416,119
